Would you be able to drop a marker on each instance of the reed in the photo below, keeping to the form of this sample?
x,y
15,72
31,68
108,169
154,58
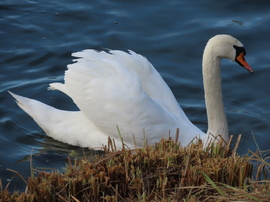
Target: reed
x,y
161,172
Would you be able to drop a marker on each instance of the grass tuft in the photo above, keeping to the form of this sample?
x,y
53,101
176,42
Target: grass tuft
x,y
161,172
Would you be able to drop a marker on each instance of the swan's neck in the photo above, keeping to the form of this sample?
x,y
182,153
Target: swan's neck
x,y
217,122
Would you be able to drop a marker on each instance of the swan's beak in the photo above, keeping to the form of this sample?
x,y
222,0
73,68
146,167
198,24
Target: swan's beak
x,y
240,59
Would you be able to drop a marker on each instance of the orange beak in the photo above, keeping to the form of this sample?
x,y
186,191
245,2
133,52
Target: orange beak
x,y
242,61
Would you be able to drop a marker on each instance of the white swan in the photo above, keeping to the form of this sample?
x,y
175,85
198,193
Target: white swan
x,y
122,89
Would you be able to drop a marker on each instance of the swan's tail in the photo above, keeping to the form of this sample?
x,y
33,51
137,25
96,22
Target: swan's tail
x,y
32,107
66,126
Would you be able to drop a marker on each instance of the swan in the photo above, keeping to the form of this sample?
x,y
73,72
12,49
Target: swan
x,y
121,91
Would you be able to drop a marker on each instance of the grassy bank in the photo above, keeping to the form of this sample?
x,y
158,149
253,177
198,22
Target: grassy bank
x,y
161,172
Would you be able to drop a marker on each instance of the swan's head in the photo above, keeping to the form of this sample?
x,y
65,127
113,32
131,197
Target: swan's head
x,y
226,46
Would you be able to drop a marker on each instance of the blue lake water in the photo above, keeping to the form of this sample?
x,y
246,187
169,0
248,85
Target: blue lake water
x,y
38,37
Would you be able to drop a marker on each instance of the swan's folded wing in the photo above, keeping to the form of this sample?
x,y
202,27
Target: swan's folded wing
x,y
110,94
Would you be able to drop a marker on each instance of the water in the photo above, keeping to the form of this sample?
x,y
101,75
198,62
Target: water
x,y
38,37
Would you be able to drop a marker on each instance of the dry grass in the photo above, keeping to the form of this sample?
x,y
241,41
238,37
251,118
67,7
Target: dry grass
x,y
162,172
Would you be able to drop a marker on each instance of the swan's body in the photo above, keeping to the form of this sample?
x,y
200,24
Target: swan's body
x,y
118,89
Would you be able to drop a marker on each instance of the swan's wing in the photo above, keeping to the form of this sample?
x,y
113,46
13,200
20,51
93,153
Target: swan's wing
x,y
110,94
151,81
68,127
124,89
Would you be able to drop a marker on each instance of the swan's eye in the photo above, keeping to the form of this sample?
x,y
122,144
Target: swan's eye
x,y
239,50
